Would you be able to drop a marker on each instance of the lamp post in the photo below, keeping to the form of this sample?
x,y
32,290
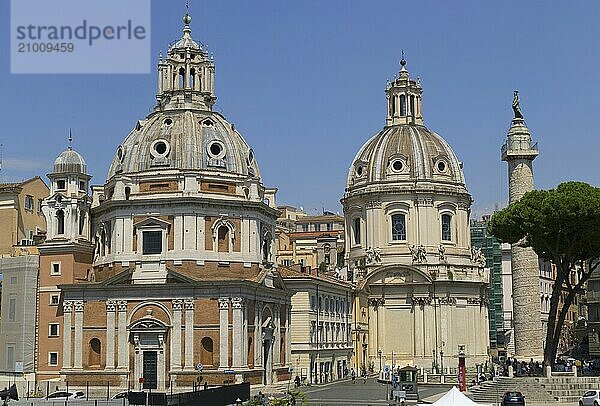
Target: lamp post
x,y
379,354
442,360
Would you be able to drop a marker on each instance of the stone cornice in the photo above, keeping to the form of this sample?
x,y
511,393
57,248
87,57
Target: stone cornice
x,y
65,246
180,200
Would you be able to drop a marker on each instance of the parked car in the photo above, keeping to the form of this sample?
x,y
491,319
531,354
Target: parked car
x,y
127,394
121,395
513,399
590,398
60,395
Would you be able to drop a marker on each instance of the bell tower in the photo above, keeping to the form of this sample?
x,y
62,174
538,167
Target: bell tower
x,y
187,75
67,209
65,259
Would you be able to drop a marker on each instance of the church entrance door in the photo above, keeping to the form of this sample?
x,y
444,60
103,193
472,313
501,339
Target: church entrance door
x,y
150,372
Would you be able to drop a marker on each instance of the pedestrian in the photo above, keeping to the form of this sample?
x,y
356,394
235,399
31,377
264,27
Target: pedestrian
x,y
353,374
365,377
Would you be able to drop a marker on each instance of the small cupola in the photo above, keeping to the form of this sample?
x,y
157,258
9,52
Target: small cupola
x,y
404,98
187,74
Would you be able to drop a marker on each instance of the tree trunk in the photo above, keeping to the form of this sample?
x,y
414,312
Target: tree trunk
x,y
549,354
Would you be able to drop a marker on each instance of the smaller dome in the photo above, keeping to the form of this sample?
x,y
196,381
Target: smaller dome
x,y
186,41
70,161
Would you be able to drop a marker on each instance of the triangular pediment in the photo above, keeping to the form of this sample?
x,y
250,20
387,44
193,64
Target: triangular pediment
x,y
126,278
152,222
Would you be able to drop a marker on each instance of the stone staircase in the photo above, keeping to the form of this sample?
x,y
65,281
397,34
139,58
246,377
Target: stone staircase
x,y
491,392
568,389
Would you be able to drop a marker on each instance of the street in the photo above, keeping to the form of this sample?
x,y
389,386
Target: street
x,y
359,393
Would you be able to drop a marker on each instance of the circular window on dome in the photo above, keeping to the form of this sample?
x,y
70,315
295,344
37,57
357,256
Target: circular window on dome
x,y
168,122
160,149
360,170
250,157
120,154
441,166
216,150
397,165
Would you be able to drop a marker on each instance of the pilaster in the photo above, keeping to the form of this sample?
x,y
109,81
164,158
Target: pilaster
x,y
123,351
189,334
67,312
176,335
111,307
78,350
223,332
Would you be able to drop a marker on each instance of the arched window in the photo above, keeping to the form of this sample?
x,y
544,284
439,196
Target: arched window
x,y
398,227
127,192
393,106
60,222
206,351
356,230
250,359
223,239
446,227
94,353
81,222
193,78
181,78
402,105
412,106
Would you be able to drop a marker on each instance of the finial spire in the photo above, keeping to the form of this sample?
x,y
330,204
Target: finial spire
x,y
70,139
187,19
403,61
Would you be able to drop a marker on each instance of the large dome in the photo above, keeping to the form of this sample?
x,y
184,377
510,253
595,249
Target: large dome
x,y
408,152
185,140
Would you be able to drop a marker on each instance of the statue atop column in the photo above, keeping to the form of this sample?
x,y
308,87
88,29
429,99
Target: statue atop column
x,y
516,107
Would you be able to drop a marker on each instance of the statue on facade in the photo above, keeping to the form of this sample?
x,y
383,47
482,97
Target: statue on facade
x,y
373,254
516,107
418,253
442,253
477,257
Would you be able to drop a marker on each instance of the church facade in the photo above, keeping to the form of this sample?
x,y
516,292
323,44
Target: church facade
x,y
168,267
421,287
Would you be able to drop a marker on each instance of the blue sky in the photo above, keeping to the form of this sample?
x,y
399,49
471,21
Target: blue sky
x,y
304,82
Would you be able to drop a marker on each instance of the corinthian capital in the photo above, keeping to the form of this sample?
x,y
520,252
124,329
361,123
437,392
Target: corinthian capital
x,y
237,302
223,303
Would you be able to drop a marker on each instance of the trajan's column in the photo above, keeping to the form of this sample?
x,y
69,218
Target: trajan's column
x,y
520,153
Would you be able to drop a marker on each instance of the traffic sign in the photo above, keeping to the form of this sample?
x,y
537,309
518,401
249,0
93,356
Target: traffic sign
x,y
200,367
386,369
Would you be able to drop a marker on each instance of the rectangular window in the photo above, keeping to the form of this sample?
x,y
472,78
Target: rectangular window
x,y
10,357
304,227
40,203
61,184
54,300
53,330
81,185
152,242
317,227
329,226
52,359
29,202
398,227
13,280
446,227
356,230
12,309
55,270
